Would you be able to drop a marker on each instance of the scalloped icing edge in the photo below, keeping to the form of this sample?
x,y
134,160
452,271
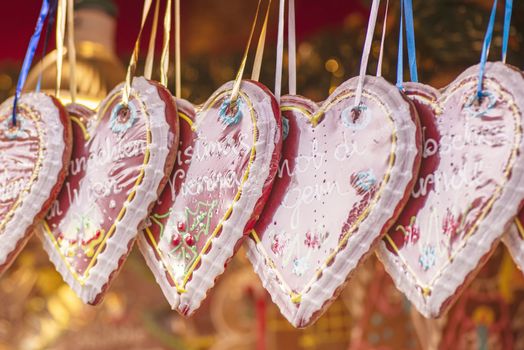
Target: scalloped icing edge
x,y
224,245
461,270
120,243
27,214
325,289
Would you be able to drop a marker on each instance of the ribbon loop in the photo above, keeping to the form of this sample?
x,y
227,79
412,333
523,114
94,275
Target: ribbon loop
x,y
485,50
134,57
280,51
382,40
238,79
30,54
367,49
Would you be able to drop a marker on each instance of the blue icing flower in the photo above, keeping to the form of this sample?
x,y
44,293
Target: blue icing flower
x,y
428,257
119,123
225,109
14,132
285,127
476,109
364,180
300,266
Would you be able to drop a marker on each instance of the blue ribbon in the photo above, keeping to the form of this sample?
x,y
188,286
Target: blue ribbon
x,y
410,40
48,30
30,54
406,11
485,49
400,57
507,23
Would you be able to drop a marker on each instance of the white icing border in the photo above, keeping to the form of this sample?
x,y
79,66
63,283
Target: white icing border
x,y
213,263
489,231
321,294
52,165
118,245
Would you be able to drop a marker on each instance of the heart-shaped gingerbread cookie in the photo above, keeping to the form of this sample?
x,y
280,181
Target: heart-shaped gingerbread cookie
x,y
226,163
34,155
344,175
470,186
120,162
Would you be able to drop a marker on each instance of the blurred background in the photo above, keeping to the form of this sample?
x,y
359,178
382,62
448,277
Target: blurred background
x,y
38,311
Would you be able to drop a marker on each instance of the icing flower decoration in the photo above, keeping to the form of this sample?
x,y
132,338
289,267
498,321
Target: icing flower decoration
x,y
14,131
230,114
277,245
312,240
428,257
363,181
123,118
300,266
450,225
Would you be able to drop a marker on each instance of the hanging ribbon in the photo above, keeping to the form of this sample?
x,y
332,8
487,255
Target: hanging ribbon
x,y
150,57
259,55
367,49
164,58
400,56
71,49
280,51
49,28
238,79
485,50
30,54
60,36
292,48
507,25
134,57
381,53
410,40
406,14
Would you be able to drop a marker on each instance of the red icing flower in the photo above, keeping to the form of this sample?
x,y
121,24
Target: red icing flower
x,y
277,247
312,240
450,225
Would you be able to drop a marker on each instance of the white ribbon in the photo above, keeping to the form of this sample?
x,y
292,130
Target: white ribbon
x,y
381,54
367,49
280,51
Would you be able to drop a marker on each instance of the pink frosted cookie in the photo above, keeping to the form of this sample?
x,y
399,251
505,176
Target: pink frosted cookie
x,y
344,176
34,155
120,160
470,186
226,163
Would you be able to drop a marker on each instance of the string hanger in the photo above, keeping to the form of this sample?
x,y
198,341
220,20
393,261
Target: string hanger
x,y
292,49
30,54
365,54
258,56
406,15
164,61
487,43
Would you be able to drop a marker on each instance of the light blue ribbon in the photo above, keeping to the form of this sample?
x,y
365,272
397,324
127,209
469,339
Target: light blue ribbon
x,y
400,57
410,40
485,49
507,25
406,13
30,54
